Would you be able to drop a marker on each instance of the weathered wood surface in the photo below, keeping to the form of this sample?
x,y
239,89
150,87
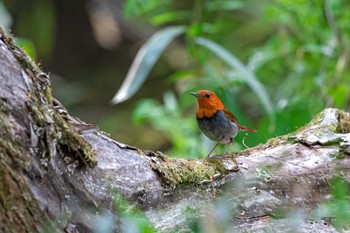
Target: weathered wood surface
x,y
57,172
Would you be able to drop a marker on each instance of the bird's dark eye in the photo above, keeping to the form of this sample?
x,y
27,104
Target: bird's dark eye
x,y
207,95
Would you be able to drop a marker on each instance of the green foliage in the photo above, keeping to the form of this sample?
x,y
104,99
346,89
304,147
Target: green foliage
x,y
290,59
133,219
309,49
6,21
169,119
36,22
144,61
338,206
27,46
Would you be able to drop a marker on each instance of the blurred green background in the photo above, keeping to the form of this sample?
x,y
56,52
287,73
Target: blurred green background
x,y
275,64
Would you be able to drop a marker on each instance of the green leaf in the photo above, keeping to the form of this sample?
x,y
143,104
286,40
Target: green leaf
x,y
339,94
28,46
168,17
38,22
145,60
224,5
252,81
195,29
141,7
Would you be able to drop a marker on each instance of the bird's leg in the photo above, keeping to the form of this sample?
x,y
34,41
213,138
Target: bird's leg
x,y
229,145
233,157
212,150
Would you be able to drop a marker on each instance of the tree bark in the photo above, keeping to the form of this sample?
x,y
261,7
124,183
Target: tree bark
x,y
59,174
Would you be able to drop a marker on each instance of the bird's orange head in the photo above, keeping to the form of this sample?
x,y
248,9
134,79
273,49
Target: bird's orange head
x,y
208,103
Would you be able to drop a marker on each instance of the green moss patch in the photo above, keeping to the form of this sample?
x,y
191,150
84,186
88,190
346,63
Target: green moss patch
x,y
187,171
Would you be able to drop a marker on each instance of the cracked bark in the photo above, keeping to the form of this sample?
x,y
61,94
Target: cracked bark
x,y
59,174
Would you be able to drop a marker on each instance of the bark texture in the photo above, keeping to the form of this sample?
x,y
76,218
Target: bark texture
x,y
59,174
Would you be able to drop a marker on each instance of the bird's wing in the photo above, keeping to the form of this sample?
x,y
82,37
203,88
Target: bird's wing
x,y
232,117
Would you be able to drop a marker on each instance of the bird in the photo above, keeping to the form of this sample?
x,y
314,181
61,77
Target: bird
x,y
215,120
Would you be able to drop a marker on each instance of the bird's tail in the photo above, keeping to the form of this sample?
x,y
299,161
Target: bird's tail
x,y
245,128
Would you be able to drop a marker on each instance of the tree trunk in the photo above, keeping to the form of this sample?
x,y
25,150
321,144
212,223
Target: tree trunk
x,y
58,174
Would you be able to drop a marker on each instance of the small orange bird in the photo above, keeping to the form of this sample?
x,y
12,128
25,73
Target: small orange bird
x,y
215,120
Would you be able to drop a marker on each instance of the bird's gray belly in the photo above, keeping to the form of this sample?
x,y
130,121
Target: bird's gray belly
x,y
218,128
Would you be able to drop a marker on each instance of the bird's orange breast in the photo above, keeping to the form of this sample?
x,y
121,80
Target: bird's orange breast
x,y
206,112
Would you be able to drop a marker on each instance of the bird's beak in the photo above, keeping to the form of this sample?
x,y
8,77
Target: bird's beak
x,y
194,94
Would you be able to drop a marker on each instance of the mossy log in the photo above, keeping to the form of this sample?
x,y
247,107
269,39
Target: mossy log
x,y
59,174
